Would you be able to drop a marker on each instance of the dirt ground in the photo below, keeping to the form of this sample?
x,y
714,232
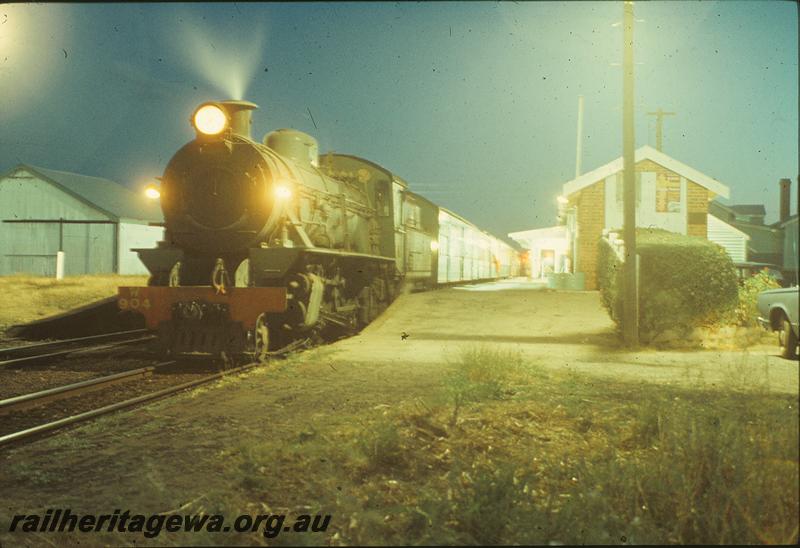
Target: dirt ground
x,y
561,330
170,454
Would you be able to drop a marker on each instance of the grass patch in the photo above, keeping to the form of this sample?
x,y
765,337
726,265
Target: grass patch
x,y
38,297
536,457
480,374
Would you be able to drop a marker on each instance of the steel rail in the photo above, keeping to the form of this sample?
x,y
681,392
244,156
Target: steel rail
x,y
10,351
41,397
74,419
70,350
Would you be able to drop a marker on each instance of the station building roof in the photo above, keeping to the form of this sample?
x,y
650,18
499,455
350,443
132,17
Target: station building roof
x,y
646,153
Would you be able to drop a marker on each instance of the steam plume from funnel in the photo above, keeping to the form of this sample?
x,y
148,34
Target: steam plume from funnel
x,y
227,61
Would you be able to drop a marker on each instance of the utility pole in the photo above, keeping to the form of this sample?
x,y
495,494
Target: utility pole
x,y
579,144
659,114
631,291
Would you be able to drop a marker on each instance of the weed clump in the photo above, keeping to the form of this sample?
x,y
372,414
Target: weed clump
x,y
481,374
492,502
381,445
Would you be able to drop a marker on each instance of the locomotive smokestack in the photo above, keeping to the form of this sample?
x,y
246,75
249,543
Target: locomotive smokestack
x,y
241,113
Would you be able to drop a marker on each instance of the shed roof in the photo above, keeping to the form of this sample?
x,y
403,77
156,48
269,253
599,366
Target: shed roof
x,y
113,199
646,153
558,231
749,209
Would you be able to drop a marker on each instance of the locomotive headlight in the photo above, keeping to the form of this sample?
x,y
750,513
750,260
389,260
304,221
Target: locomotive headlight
x,y
283,192
210,120
152,192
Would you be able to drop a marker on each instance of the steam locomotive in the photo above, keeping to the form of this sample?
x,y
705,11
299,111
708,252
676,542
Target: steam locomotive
x,y
269,243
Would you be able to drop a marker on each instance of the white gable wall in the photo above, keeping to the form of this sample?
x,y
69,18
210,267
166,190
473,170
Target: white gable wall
x,y
646,214
646,153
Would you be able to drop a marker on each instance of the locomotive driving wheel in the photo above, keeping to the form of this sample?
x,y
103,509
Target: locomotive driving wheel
x,y
261,339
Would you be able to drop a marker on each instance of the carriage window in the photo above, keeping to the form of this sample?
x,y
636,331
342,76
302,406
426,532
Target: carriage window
x,y
382,200
413,214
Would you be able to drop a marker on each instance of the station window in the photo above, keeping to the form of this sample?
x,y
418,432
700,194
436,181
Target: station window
x,y
668,193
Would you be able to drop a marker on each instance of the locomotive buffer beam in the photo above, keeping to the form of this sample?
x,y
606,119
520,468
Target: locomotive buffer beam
x,y
198,319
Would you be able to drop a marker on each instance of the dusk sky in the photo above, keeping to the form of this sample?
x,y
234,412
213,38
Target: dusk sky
x,y
474,104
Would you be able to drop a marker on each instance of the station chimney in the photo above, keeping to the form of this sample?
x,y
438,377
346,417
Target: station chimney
x,y
785,199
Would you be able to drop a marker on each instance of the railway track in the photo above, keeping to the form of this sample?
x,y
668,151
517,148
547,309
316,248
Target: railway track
x,y
35,399
34,353
75,395
101,396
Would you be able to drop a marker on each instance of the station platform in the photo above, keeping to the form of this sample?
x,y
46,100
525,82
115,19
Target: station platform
x,y
432,326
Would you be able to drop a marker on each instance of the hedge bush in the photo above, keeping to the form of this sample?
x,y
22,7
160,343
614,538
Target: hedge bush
x,y
684,282
609,281
747,312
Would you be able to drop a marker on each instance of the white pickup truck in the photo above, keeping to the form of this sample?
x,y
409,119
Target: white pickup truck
x,y
777,311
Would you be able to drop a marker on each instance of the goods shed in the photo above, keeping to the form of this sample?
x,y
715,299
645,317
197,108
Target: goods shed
x,y
94,222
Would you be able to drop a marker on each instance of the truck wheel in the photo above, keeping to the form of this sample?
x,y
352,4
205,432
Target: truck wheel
x,y
788,340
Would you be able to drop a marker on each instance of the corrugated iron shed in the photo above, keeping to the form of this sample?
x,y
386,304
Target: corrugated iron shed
x,y
93,221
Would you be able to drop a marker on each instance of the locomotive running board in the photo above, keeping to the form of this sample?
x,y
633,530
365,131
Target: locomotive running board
x,y
244,303
270,263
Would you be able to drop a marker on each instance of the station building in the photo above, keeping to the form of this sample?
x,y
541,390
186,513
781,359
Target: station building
x,y
93,222
670,195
